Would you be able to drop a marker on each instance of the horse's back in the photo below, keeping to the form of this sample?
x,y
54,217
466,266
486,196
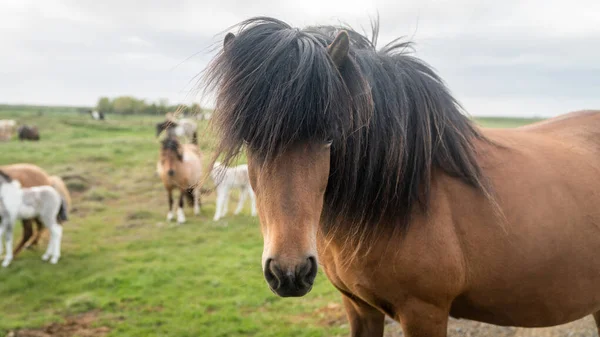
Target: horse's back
x,y
28,175
241,175
578,126
46,200
572,137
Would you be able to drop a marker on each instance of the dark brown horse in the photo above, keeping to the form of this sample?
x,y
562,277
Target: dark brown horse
x,y
362,161
26,132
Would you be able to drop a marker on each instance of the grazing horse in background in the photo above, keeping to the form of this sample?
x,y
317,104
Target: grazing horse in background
x,y
97,115
362,161
29,176
180,167
184,128
28,133
40,202
226,179
7,127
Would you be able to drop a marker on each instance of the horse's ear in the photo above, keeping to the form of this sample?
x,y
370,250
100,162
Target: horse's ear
x,y
338,49
228,38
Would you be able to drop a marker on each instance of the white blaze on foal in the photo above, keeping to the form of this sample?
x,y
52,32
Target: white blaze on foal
x,y
42,202
226,179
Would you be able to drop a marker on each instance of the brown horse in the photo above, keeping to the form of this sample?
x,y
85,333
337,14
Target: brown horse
x,y
29,176
363,161
180,166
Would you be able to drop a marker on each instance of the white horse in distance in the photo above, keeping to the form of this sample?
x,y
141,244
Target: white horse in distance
x,y
226,179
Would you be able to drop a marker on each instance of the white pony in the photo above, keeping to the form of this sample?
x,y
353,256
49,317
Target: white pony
x,y
187,128
42,202
227,178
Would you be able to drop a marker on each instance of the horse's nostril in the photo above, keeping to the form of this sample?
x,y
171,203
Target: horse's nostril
x,y
271,274
306,274
293,280
171,173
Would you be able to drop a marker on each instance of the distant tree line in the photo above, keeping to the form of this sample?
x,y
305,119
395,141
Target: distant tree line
x,y
127,105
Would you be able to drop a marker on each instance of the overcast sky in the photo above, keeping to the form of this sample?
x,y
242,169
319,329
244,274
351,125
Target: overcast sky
x,y
506,58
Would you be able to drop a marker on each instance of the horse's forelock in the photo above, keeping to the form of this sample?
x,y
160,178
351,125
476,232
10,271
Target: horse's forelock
x,y
171,144
277,86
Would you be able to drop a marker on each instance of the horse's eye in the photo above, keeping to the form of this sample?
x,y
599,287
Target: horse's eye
x,y
328,143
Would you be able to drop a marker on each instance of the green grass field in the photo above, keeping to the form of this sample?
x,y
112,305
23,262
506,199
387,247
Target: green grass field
x,y
141,275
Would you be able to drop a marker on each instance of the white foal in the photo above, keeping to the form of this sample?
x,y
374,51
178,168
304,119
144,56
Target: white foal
x,y
227,178
42,202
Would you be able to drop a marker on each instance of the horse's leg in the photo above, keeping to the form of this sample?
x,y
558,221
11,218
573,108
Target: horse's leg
x,y
243,195
1,234
226,195
56,231
38,233
51,244
422,319
597,319
27,233
365,321
170,198
196,194
180,214
8,231
219,205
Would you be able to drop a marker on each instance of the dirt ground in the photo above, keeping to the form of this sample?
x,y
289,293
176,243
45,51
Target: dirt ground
x,y
80,325
333,314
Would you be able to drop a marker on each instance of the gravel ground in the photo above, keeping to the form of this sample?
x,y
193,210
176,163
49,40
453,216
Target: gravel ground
x,y
465,328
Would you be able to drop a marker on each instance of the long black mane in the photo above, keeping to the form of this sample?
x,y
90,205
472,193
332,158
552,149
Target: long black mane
x,y
390,117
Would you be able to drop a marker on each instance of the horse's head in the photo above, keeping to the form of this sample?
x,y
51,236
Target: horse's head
x,y
289,191
171,155
289,104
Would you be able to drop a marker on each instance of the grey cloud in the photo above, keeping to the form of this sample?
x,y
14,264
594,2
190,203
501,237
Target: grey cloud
x,y
532,58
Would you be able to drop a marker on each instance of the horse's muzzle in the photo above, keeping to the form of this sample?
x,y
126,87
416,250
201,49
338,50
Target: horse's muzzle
x,y
291,283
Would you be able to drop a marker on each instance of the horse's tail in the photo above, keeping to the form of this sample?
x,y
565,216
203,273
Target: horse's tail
x,y
195,138
65,196
62,212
